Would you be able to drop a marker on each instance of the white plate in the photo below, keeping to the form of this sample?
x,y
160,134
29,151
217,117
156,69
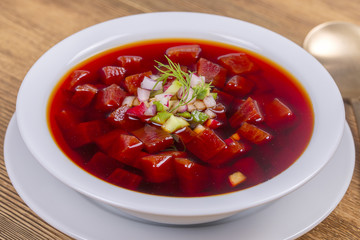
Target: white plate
x,y
79,217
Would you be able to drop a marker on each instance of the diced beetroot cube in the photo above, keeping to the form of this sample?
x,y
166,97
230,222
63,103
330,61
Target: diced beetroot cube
x,y
213,124
239,85
133,82
124,178
79,77
233,149
125,148
68,118
237,63
86,132
276,113
119,118
110,98
174,154
130,63
158,168
223,97
253,134
248,112
83,95
137,111
112,74
154,138
193,177
212,72
184,54
185,134
104,142
206,145
102,165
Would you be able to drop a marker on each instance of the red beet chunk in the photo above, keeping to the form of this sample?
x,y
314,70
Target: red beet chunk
x,y
223,97
206,145
69,117
253,134
110,98
247,112
125,179
119,118
133,82
193,177
154,138
233,149
86,132
237,63
185,134
79,77
158,168
83,95
130,63
174,154
102,165
212,72
112,74
104,142
137,111
184,54
125,148
276,113
239,85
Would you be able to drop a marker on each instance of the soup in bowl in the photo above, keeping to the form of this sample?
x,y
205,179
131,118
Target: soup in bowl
x,y
186,123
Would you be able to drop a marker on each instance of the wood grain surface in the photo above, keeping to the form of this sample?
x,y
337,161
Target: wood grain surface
x,y
30,27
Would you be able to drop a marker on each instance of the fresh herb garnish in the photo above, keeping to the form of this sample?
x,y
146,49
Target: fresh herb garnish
x,y
174,70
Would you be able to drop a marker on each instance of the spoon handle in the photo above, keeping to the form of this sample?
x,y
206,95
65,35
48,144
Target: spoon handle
x,y
355,103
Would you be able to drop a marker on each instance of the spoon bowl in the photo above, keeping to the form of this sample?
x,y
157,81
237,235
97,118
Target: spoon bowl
x,y
337,46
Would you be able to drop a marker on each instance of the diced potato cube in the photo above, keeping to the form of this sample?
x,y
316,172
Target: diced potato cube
x,y
236,178
199,105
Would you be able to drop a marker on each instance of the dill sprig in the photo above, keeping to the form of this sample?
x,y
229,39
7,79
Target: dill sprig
x,y
174,70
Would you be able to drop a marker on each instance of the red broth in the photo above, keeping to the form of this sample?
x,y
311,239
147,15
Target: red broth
x,y
272,127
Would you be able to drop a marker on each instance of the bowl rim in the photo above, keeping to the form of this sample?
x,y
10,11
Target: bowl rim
x,y
327,103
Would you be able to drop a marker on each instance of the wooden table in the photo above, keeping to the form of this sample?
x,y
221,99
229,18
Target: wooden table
x,y
29,28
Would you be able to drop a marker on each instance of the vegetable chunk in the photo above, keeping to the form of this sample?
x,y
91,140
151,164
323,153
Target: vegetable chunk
x,y
237,63
124,178
253,133
212,72
110,98
154,138
248,112
184,54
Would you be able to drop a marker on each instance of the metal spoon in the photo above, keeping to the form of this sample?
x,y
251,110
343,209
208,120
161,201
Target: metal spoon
x,y
337,46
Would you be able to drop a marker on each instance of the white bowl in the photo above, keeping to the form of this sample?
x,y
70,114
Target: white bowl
x,y
31,110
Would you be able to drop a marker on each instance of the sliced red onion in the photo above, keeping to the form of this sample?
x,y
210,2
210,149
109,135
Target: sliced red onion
x,y
143,94
189,96
182,108
128,101
196,80
151,111
210,113
209,101
149,84
164,98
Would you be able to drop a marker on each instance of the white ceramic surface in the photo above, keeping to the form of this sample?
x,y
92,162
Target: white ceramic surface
x,y
326,99
77,216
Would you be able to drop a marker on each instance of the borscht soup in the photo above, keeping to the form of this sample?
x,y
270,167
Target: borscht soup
x,y
181,117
